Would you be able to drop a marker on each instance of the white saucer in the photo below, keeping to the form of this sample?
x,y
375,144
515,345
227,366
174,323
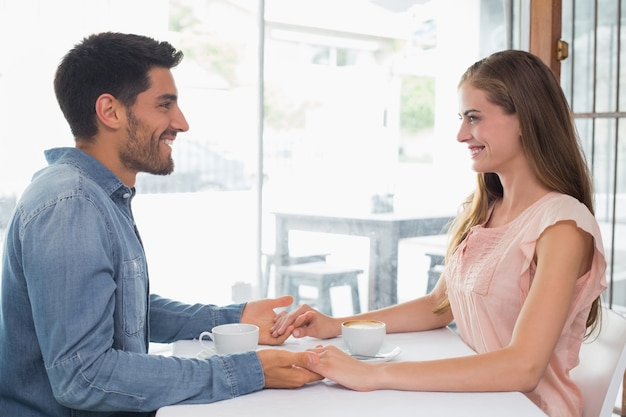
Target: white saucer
x,y
386,353
206,353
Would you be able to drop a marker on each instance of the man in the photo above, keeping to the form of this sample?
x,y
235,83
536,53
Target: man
x,y
76,316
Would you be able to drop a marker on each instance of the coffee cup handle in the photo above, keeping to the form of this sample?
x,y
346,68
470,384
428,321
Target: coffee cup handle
x,y
202,336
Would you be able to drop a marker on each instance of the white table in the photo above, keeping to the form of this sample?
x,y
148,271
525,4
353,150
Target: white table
x,y
327,399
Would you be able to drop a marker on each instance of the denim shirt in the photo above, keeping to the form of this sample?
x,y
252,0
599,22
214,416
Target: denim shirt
x,y
76,315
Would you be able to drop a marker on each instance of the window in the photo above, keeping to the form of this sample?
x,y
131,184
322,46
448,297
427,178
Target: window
x,y
593,78
343,83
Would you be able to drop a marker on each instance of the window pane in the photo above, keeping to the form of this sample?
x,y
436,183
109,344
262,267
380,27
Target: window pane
x,y
199,224
202,219
371,132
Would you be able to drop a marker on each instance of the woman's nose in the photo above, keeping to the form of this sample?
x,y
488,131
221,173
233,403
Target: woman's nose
x,y
464,133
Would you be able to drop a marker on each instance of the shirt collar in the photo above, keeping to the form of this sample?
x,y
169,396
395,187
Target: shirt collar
x,y
90,167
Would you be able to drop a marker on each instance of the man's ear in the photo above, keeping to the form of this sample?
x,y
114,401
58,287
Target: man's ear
x,y
109,111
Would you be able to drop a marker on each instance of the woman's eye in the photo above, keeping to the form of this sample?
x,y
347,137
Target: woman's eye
x,y
470,117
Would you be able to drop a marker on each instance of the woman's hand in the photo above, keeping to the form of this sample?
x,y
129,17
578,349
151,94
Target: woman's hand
x,y
306,321
343,369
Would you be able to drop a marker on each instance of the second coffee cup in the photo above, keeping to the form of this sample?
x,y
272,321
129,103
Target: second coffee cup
x,y
363,337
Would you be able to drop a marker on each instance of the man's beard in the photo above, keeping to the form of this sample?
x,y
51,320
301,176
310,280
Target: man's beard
x,y
142,154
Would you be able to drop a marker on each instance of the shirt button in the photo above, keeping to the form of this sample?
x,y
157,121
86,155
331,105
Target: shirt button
x,y
127,195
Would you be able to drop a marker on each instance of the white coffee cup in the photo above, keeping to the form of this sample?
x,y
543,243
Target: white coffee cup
x,y
363,337
231,338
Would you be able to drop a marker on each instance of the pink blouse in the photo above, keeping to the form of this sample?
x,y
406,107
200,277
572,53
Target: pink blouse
x,y
489,277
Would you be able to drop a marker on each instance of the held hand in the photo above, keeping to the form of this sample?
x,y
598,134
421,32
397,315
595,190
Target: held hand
x,y
261,313
343,369
284,369
306,321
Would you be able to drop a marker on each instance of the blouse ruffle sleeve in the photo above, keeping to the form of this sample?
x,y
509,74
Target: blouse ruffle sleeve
x,y
566,208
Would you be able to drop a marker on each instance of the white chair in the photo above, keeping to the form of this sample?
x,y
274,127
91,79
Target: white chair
x,y
602,366
291,260
322,276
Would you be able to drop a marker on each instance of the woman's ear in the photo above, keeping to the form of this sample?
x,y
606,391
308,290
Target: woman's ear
x,y
109,110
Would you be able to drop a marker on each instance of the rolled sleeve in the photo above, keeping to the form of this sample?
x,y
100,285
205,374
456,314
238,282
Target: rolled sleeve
x,y
172,320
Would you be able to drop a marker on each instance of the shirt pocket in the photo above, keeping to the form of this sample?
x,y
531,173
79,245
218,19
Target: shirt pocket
x,y
135,296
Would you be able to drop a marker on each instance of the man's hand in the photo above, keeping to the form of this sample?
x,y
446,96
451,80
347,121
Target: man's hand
x,y
285,369
261,313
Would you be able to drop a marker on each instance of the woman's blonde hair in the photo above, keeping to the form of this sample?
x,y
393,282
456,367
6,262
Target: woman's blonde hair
x,y
520,83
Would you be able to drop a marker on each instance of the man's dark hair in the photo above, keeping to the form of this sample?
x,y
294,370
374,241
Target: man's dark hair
x,y
114,63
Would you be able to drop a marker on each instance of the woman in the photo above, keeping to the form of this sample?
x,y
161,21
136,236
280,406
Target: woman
x,y
525,266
